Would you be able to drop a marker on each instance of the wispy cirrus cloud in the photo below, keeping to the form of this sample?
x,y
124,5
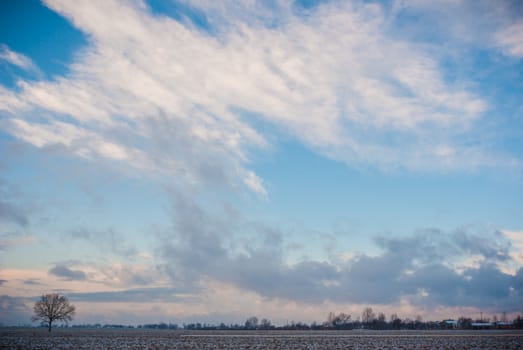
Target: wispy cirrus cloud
x,y
167,98
17,59
510,39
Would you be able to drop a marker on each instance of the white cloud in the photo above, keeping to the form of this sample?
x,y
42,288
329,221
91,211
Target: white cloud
x,y
170,99
516,238
255,183
17,59
510,39
81,142
463,24
120,275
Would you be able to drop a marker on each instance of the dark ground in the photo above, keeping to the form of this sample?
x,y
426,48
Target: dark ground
x,y
68,338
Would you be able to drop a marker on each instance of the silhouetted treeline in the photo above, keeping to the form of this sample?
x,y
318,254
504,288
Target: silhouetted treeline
x,y
341,321
368,320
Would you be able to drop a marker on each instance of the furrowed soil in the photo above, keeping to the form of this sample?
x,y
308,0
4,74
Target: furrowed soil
x,y
168,339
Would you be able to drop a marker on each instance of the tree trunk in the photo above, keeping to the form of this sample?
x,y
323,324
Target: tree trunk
x,y
49,327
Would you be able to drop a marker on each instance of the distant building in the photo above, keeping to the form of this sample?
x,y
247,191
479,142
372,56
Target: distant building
x,y
449,324
482,325
505,325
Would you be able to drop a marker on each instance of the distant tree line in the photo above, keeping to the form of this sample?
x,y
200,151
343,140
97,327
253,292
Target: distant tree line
x,y
56,308
341,321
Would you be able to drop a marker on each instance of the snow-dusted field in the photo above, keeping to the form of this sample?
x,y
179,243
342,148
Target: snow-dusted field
x,y
164,339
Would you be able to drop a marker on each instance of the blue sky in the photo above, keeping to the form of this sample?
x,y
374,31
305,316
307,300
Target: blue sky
x,y
212,161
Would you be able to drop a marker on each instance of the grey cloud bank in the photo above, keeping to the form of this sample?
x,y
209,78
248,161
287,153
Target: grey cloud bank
x,y
430,267
65,272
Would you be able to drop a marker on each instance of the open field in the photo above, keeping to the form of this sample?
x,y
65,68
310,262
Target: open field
x,y
164,339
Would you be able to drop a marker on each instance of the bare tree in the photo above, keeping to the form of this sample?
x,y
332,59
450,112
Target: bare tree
x,y
342,320
265,324
395,321
367,315
53,307
251,323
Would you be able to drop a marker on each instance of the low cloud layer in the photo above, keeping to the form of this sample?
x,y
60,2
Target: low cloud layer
x,y
430,267
141,295
14,310
66,273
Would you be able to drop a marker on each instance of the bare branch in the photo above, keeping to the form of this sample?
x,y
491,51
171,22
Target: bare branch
x,y
53,307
